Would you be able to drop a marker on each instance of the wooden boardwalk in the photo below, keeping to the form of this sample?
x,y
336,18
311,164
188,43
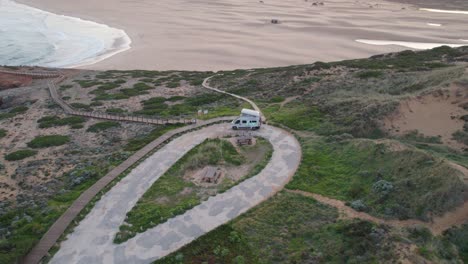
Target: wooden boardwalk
x,y
52,84
56,230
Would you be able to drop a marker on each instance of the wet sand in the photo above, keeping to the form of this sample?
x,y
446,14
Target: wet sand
x,y
230,34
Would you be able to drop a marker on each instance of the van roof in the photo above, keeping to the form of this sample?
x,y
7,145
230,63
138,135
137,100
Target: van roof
x,y
250,112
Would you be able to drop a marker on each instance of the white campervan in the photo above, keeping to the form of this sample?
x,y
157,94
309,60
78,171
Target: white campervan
x,y
249,119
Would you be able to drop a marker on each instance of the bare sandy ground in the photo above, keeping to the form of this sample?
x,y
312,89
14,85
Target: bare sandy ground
x,y
230,34
434,114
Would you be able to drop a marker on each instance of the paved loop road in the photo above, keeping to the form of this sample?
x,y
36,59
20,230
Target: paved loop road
x,y
91,241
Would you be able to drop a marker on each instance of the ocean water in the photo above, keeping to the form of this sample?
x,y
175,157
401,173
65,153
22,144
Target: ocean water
x,y
29,36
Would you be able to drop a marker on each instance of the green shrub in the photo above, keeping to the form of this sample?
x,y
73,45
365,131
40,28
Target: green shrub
x,y
461,136
3,133
175,98
174,84
81,106
96,103
20,154
77,126
6,115
102,126
108,86
277,99
48,141
459,237
19,110
65,87
370,74
53,121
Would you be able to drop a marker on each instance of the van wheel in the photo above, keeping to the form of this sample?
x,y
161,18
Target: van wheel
x,y
234,128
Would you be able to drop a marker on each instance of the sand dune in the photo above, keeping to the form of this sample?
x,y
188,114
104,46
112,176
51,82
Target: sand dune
x,y
230,34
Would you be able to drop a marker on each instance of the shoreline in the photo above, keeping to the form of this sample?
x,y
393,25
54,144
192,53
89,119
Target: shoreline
x,y
228,34
110,41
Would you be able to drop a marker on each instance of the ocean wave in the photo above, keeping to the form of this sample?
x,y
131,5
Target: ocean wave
x,y
31,36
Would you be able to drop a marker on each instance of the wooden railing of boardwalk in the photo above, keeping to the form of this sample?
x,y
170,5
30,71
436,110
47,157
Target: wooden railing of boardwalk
x,y
35,74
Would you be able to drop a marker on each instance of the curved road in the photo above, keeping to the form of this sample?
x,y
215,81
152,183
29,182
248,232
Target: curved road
x,y
91,241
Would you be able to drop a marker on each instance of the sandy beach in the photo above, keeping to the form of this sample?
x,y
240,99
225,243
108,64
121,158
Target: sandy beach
x,y
231,34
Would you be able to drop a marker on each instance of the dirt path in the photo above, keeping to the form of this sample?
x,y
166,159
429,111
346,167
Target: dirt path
x,y
437,226
288,100
252,103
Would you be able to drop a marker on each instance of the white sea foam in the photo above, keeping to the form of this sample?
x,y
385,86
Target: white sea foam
x,y
29,36
445,11
412,45
434,25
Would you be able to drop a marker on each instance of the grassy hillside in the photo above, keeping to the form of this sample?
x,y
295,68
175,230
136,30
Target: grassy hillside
x,y
336,109
290,228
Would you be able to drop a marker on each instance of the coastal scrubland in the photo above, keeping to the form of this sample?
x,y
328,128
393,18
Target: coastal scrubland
x,y
357,122
346,116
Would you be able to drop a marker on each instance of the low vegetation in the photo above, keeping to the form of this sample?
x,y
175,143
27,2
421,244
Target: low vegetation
x,y
48,141
20,154
371,176
459,237
54,121
13,112
215,104
290,228
174,193
3,133
101,126
24,226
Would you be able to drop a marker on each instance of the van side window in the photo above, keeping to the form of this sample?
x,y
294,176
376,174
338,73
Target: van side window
x,y
238,121
244,121
253,121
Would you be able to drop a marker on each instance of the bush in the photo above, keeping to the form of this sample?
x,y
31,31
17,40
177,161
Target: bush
x,y
20,154
370,74
277,99
461,136
102,126
81,106
382,187
19,110
53,121
48,141
358,205
3,133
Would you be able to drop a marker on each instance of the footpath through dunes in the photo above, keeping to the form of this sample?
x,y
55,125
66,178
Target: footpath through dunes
x,y
92,239
252,103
